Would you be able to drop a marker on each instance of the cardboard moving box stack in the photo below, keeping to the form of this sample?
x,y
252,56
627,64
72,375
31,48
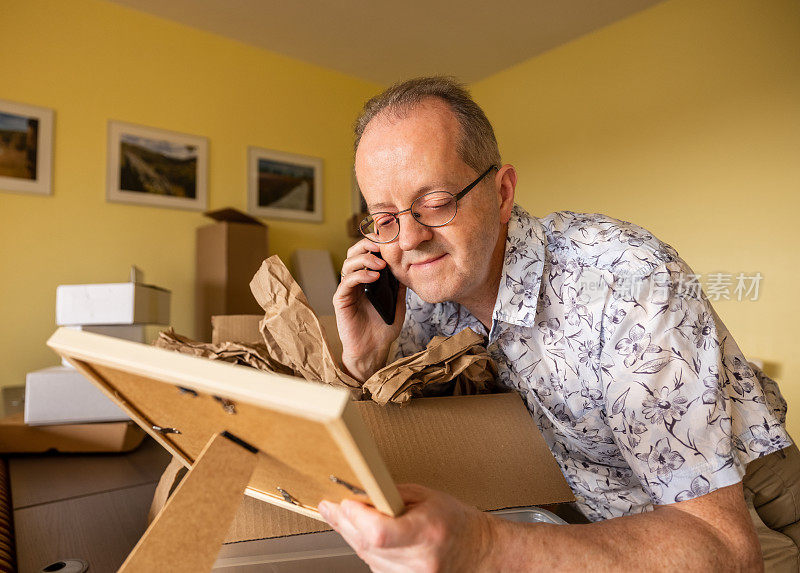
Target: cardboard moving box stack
x,y
228,252
61,394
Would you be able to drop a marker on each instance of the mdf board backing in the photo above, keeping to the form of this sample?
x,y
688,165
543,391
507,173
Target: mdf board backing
x,y
307,434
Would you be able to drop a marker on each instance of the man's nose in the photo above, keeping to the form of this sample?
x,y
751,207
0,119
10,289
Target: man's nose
x,y
412,233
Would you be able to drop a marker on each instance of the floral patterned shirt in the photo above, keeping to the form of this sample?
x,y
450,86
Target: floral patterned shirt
x,y
639,390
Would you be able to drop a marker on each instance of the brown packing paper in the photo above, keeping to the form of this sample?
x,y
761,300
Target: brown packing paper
x,y
292,333
456,365
295,337
254,355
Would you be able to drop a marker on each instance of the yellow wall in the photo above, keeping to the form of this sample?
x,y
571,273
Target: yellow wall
x,y
684,119
93,61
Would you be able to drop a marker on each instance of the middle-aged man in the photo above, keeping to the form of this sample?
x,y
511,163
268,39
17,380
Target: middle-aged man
x,y
641,393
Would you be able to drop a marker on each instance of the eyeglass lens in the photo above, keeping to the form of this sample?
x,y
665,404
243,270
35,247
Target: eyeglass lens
x,y
432,210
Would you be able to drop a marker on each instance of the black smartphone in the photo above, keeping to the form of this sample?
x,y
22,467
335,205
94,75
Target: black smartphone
x,y
383,293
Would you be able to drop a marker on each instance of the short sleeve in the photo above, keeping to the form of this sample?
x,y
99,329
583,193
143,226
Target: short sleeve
x,y
686,410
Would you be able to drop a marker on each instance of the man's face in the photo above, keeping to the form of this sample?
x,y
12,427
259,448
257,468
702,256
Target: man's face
x,y
399,159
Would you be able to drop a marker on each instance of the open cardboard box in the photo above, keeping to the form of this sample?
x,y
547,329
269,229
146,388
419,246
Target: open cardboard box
x,y
484,450
293,443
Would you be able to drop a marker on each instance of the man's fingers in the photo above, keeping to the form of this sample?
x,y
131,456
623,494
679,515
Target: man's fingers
x,y
360,277
365,260
413,492
362,246
339,518
377,530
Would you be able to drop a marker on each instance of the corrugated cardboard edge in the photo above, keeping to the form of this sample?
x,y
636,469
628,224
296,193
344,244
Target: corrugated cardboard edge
x,y
105,437
429,442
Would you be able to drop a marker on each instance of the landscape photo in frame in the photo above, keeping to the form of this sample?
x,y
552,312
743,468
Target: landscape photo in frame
x,y
26,148
284,185
149,166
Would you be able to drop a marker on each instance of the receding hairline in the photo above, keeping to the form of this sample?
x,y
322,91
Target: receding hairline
x,y
474,140
395,113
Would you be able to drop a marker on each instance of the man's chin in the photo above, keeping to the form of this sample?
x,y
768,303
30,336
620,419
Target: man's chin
x,y
433,294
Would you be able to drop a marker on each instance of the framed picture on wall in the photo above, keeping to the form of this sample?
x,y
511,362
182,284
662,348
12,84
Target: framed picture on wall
x,y
149,166
284,185
26,148
359,205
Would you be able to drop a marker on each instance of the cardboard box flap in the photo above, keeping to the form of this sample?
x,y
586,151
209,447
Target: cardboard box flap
x,y
242,328
112,285
484,450
230,215
306,433
18,437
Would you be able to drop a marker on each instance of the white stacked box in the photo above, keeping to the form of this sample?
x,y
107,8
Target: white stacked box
x,y
111,304
61,395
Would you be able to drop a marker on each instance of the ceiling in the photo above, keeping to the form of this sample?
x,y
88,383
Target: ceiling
x,y
388,41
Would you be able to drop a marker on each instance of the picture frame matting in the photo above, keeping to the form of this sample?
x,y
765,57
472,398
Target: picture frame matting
x,y
157,167
283,185
26,148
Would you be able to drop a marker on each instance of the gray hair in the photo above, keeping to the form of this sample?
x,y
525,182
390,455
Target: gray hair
x,y
477,145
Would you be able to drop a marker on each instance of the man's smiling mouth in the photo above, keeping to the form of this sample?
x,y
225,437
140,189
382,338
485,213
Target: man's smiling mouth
x,y
422,264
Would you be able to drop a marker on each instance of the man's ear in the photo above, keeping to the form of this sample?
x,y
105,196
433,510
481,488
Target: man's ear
x,y
506,180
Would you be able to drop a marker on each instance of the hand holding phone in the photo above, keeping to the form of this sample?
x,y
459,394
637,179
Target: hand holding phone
x,y
383,293
367,335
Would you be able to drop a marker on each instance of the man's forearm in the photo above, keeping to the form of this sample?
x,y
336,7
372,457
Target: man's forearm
x,y
666,539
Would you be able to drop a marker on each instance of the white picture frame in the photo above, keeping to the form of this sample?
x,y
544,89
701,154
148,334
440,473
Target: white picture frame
x,y
156,167
357,202
26,148
284,185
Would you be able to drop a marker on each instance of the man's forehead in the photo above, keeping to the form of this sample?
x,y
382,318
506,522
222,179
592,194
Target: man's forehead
x,y
403,156
427,125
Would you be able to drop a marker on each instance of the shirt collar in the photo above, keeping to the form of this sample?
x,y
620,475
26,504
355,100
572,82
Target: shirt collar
x,y
520,281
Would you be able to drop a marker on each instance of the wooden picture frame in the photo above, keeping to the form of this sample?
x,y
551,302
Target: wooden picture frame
x,y
26,148
292,443
308,432
284,185
156,167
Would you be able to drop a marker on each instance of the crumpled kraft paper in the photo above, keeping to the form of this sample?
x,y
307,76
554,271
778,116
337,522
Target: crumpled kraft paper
x,y
449,366
292,333
295,343
254,355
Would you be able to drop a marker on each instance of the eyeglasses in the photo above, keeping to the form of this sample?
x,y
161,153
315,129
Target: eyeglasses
x,y
434,209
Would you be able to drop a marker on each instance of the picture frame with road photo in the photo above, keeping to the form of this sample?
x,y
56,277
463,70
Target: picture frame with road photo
x,y
284,185
157,167
358,203
26,148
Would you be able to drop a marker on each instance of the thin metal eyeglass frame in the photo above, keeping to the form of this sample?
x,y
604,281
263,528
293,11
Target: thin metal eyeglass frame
x,y
458,196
